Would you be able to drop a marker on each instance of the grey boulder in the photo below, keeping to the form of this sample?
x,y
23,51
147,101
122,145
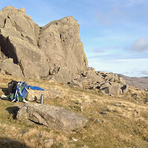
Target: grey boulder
x,y
51,116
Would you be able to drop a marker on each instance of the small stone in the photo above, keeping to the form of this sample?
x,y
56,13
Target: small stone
x,y
48,143
75,140
81,108
96,121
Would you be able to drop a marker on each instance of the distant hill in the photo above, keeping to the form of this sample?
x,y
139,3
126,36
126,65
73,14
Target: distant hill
x,y
135,81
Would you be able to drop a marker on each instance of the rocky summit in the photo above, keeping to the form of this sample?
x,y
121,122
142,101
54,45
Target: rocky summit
x,y
27,50
54,52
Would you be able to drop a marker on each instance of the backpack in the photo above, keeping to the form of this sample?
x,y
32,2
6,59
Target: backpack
x,y
17,91
12,86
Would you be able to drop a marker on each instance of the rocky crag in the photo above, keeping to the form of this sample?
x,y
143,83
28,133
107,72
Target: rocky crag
x,y
53,52
37,52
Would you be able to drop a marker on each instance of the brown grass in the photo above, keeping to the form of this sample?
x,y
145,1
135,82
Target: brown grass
x,y
114,121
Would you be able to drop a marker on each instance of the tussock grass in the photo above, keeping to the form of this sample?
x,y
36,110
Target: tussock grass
x,y
113,121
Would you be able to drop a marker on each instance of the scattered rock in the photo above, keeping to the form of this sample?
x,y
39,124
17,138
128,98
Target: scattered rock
x,y
107,83
113,90
96,121
125,88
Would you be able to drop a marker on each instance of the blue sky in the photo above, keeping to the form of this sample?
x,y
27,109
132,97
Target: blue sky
x,y
114,32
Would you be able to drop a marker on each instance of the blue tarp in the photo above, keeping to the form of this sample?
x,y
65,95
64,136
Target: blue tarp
x,y
34,87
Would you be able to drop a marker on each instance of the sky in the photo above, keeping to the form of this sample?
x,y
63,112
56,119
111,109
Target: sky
x,y
114,32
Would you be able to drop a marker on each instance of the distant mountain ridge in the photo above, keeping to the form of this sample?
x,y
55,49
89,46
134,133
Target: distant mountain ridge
x,y
141,83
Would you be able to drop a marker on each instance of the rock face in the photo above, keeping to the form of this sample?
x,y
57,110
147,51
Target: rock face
x,y
50,116
53,51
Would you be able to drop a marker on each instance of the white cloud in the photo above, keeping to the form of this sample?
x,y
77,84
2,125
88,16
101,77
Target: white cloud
x,y
139,45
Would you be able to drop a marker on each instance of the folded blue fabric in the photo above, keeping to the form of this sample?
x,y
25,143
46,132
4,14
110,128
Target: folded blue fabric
x,y
34,87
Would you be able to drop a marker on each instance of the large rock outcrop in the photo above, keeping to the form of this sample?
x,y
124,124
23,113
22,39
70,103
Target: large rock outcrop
x,y
51,116
107,83
53,51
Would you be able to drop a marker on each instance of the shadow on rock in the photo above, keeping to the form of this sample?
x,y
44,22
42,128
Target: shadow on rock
x,y
13,110
10,143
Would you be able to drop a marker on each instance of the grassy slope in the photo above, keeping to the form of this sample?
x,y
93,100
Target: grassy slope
x,y
114,121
